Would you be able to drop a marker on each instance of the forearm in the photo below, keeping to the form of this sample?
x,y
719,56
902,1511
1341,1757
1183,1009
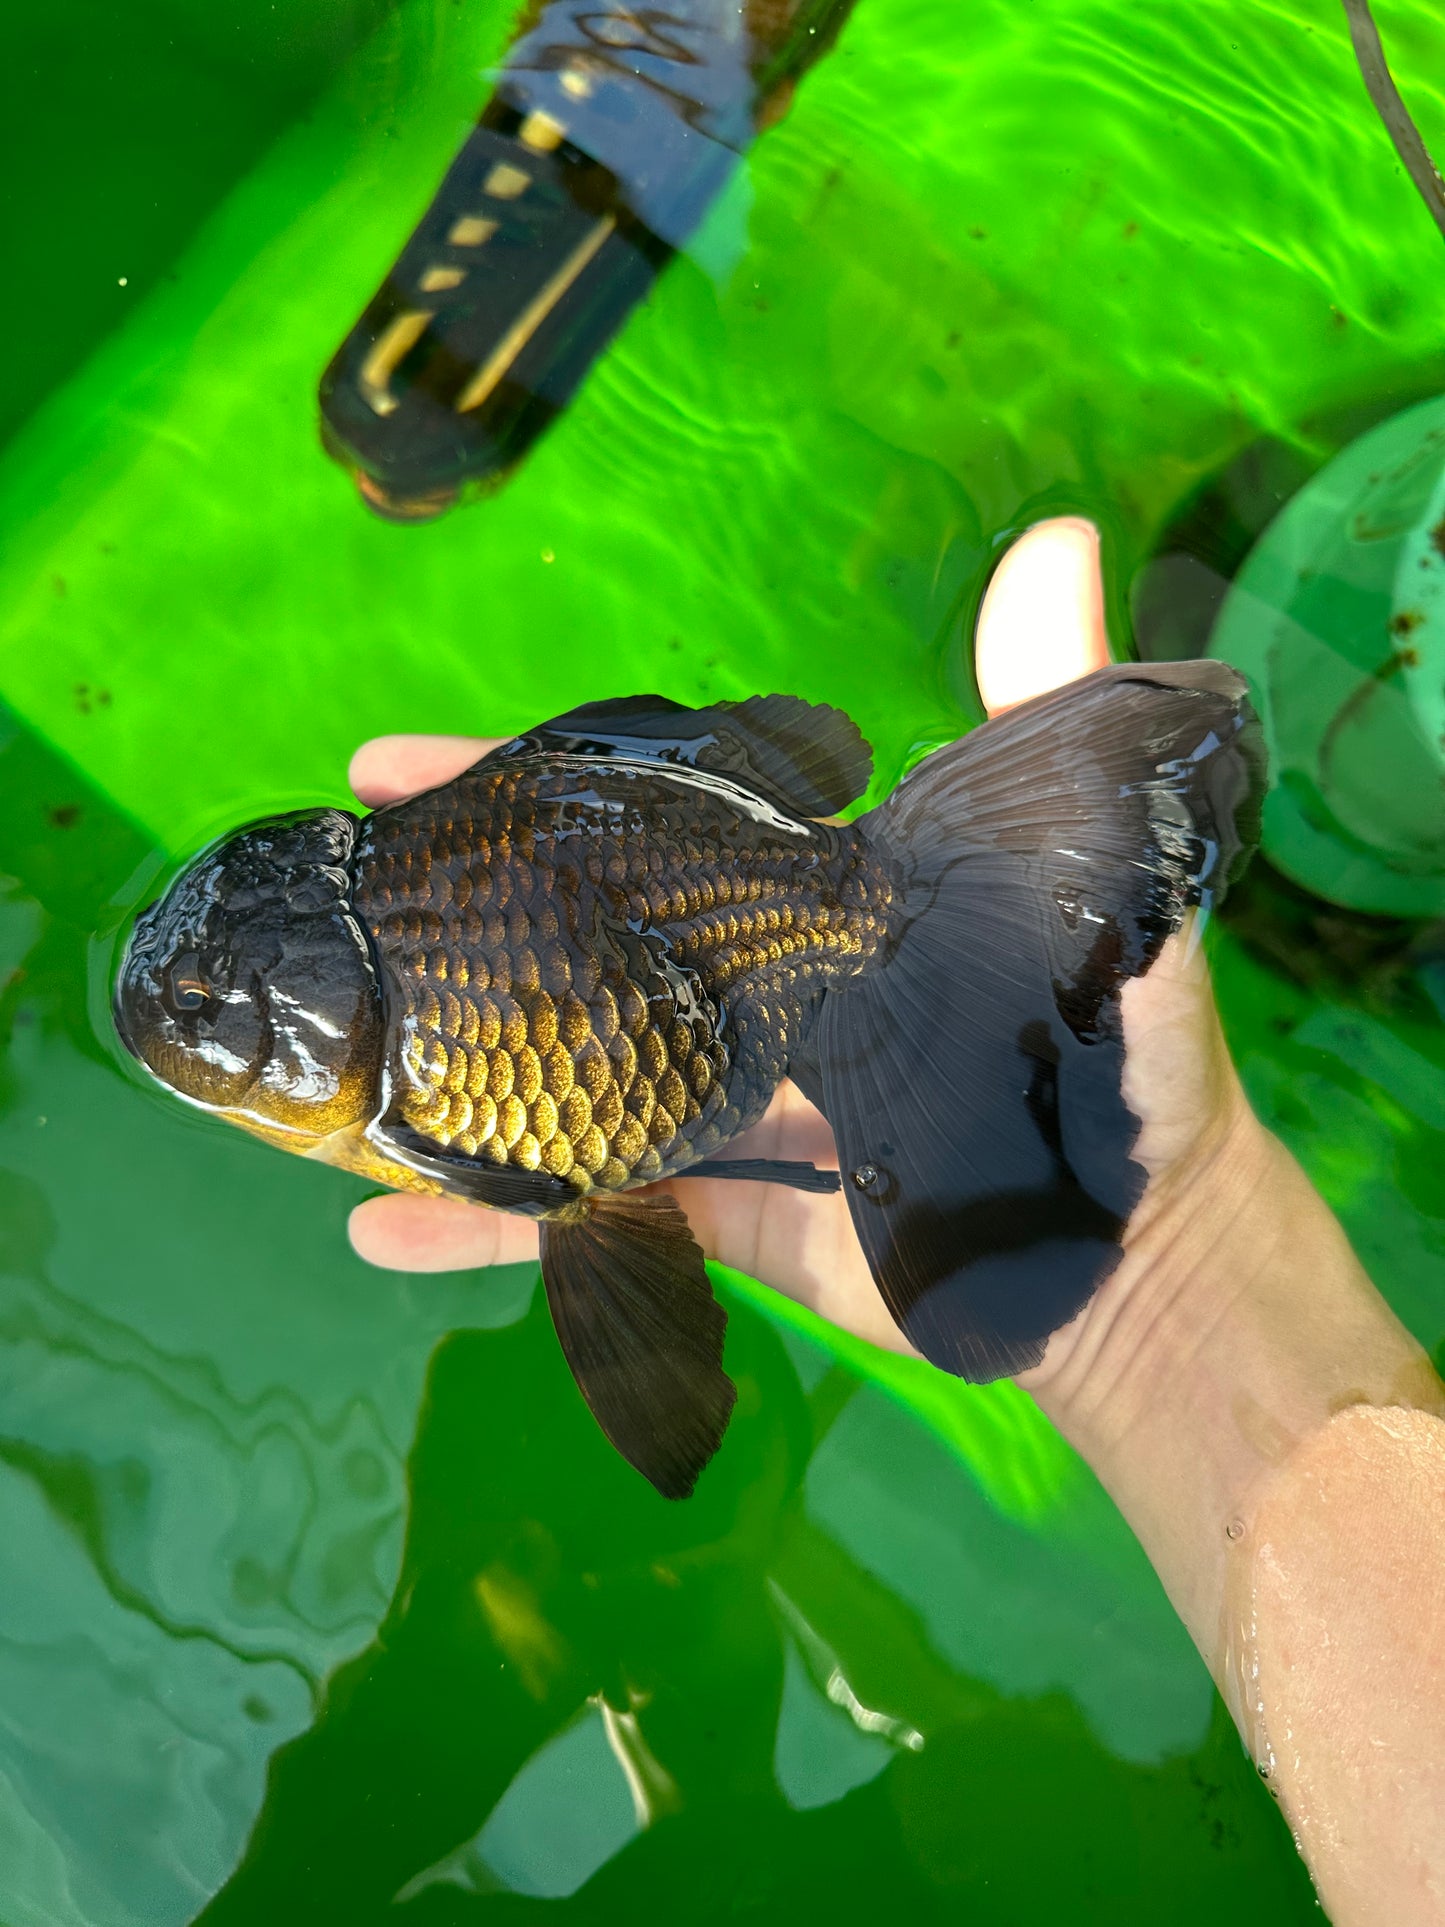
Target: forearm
x,y
1304,1551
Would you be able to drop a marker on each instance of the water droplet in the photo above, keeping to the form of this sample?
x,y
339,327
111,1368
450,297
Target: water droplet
x,y
866,1176
1069,906
1235,1529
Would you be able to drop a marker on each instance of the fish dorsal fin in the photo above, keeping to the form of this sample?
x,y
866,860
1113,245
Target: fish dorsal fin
x,y
808,757
813,753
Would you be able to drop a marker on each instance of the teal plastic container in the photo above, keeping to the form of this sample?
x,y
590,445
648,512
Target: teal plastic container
x,y
1338,620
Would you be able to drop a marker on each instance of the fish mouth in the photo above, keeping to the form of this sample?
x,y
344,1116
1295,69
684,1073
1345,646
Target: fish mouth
x,y
392,502
402,508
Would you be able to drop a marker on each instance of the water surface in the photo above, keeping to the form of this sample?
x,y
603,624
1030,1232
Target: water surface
x,y
313,1576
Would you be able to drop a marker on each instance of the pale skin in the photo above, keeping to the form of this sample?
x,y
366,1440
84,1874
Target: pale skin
x,y
1271,1432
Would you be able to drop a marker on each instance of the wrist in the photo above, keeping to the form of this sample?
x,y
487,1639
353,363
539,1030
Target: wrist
x,y
1237,1323
1205,1237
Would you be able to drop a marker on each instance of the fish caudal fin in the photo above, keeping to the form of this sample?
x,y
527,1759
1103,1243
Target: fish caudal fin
x,y
973,1080
642,1332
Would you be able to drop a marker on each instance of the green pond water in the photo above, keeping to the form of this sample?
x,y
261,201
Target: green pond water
x,y
316,1583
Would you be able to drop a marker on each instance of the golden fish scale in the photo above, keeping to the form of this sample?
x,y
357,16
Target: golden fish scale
x,y
523,1037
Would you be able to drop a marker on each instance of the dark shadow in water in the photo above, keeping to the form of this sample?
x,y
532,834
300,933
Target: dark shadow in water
x,y
520,1596
1393,967
70,850
603,1587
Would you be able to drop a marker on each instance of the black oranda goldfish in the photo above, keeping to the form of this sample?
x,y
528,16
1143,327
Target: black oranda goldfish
x,y
585,965
611,131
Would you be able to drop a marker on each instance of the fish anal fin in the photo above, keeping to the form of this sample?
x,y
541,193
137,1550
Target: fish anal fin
x,y
807,1073
808,757
642,1332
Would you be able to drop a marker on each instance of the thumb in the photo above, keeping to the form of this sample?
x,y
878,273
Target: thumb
x,y
1042,621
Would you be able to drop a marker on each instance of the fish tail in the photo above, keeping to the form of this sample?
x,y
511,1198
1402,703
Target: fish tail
x,y
974,1078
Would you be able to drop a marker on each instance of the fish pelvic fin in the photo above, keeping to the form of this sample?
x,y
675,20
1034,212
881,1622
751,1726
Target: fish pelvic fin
x,y
502,1187
642,1332
974,1079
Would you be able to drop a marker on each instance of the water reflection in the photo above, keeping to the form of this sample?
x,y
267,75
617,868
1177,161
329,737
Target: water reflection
x,y
566,1814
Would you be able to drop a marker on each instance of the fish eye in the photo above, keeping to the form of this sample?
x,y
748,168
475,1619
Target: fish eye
x,y
186,986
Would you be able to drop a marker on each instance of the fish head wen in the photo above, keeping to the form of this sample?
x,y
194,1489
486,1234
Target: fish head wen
x,y
249,987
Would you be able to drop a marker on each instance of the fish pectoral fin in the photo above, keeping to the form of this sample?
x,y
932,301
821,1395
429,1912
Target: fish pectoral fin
x,y
807,757
504,1187
642,1332
807,1073
801,1176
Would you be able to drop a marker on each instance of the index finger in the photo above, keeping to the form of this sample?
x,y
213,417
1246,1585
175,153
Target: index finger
x,y
391,767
